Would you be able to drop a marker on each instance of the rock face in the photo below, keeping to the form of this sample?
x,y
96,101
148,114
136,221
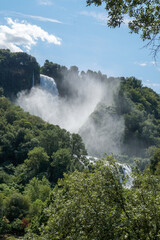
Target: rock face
x,y
103,131
17,71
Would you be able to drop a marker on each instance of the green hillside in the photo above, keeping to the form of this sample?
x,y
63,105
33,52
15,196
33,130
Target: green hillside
x,y
91,201
33,155
17,71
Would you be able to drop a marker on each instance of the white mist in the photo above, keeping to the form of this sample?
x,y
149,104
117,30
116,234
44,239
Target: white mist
x,y
43,101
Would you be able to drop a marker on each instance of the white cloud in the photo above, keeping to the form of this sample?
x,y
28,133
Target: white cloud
x,y
154,63
101,17
148,64
153,85
45,2
38,18
19,35
141,64
43,19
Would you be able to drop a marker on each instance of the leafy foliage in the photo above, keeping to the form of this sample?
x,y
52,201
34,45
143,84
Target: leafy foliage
x,y
95,205
143,17
33,155
16,72
140,107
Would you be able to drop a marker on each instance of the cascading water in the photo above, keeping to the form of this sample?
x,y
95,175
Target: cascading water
x,y
44,101
127,173
125,169
48,84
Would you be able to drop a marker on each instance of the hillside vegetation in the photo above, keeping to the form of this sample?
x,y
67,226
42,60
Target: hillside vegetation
x,y
17,71
33,155
49,190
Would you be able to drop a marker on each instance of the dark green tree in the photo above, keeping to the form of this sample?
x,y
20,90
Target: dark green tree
x,y
78,147
17,206
38,189
61,161
37,161
155,160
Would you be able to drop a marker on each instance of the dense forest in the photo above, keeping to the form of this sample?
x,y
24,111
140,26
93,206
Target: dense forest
x,y
48,187
33,155
17,71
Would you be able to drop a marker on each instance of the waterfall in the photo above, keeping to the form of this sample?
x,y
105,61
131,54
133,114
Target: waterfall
x,y
127,173
125,169
48,84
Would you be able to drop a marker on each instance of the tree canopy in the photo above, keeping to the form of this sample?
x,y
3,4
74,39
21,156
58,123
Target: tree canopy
x,y
17,71
95,205
142,16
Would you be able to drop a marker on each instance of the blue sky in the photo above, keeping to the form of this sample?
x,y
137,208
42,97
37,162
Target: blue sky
x,y
69,33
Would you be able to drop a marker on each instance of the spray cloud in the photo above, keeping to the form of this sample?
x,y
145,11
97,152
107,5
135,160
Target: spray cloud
x,y
86,111
70,114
